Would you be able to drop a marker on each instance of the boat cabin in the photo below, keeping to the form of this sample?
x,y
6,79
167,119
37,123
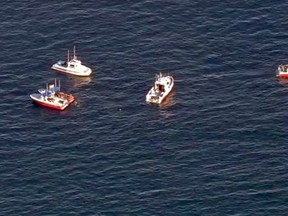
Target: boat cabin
x,y
74,63
62,63
159,88
284,68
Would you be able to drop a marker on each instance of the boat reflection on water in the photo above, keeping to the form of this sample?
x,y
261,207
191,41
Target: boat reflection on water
x,y
282,81
79,81
169,101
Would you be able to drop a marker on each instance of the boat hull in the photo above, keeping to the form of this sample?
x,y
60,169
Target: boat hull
x,y
282,76
84,72
36,99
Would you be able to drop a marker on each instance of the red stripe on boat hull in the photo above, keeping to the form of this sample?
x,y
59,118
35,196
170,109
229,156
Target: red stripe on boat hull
x,y
282,75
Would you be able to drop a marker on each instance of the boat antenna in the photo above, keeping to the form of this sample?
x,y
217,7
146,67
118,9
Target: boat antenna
x,y
68,56
74,53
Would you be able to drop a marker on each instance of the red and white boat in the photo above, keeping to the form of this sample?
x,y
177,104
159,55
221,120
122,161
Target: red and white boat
x,y
52,97
282,71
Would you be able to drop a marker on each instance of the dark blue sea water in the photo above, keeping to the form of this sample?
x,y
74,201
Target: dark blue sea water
x,y
218,146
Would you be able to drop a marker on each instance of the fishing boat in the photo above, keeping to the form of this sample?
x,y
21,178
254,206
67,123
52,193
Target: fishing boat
x,y
163,85
282,71
72,66
52,97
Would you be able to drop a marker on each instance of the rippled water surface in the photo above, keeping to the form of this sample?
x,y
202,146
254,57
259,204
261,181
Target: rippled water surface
x,y
217,146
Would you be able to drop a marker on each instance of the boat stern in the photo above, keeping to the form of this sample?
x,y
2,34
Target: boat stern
x,y
151,97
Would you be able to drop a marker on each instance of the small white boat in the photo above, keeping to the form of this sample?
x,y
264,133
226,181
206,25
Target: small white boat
x,y
52,97
72,66
282,71
162,87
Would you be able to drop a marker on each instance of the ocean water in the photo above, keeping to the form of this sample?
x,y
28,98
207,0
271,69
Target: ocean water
x,y
217,146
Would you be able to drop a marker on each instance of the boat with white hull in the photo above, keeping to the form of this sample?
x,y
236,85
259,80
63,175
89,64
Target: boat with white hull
x,y
162,87
52,97
72,66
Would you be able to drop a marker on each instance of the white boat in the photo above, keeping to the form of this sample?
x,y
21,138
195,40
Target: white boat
x,y
72,66
52,97
162,87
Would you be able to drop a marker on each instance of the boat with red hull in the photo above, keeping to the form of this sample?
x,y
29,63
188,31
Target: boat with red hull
x,y
282,71
52,97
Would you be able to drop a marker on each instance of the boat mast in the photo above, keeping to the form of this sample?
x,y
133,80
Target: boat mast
x,y
68,56
74,53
